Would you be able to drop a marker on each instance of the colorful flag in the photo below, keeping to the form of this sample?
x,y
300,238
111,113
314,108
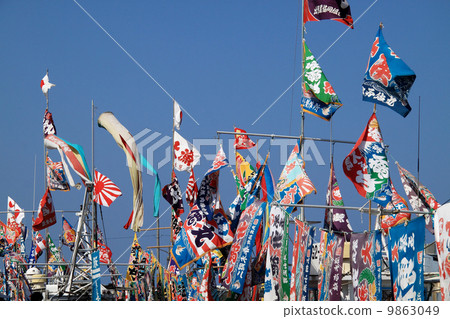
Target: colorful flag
x,y
442,236
105,252
46,212
48,125
172,194
220,161
242,141
127,143
135,258
330,276
397,203
105,191
205,289
46,85
337,10
40,245
18,213
387,79
69,234
240,253
244,170
177,115
293,184
199,235
366,266
186,156
56,177
406,245
420,198
9,234
339,219
191,189
315,83
367,165
207,198
301,261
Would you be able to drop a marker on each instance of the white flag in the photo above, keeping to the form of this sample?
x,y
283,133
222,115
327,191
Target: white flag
x,y
45,84
185,154
177,115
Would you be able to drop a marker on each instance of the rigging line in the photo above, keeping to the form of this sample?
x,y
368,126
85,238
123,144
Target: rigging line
x,y
295,63
132,58
290,86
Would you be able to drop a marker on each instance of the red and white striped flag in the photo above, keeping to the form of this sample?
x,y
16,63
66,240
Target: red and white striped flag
x,y
192,189
105,191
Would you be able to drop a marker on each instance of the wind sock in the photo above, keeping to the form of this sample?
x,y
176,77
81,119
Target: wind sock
x,y
48,125
46,212
337,10
319,96
177,115
387,79
74,154
367,166
46,85
185,154
127,143
105,191
242,141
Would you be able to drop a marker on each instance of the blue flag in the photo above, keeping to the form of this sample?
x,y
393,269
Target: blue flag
x,y
387,79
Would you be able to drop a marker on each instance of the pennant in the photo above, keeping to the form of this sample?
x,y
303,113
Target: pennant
x,y
388,79
198,236
69,234
419,196
186,156
19,213
220,161
242,141
127,143
240,253
406,245
366,266
293,184
157,189
397,203
177,115
320,98
339,219
48,125
74,154
46,212
46,85
367,165
301,261
330,276
172,193
442,237
191,189
105,191
56,177
337,10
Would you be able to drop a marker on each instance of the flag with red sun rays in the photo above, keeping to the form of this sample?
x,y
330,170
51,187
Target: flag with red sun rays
x,y
105,191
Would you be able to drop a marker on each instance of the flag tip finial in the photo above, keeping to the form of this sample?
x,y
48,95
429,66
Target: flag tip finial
x,y
381,25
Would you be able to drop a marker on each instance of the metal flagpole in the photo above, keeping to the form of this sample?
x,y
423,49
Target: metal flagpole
x,y
94,205
302,134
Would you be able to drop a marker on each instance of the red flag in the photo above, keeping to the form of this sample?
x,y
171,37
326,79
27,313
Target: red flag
x,y
242,141
105,191
46,211
105,253
192,189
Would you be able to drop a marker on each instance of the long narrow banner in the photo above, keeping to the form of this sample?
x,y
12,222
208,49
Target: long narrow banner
x,y
127,143
366,266
301,261
442,235
406,245
240,254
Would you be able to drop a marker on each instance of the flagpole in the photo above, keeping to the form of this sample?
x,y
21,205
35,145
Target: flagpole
x,y
47,255
302,134
94,205
418,148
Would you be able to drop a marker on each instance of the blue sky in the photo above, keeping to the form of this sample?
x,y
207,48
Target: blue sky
x,y
225,63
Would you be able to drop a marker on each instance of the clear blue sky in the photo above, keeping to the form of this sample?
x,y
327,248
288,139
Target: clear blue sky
x,y
225,63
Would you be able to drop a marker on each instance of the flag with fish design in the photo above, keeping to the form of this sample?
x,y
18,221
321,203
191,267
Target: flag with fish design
x,y
366,266
319,99
388,79
56,177
397,203
199,235
406,255
420,198
338,216
301,261
240,253
367,166
126,142
337,10
442,237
